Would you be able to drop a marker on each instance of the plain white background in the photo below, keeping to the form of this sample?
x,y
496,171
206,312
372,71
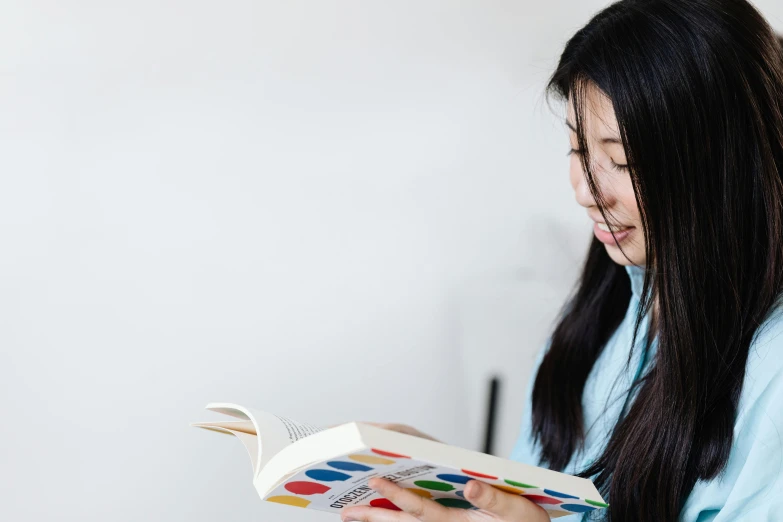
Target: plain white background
x,y
333,210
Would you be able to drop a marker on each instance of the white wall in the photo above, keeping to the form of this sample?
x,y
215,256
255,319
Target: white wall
x,y
309,207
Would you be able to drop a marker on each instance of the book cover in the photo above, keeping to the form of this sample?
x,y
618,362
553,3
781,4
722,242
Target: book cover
x,y
303,466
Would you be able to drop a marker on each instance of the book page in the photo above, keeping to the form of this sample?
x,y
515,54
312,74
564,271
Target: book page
x,y
274,432
245,431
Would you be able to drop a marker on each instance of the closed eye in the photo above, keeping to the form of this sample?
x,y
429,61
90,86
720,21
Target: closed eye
x,y
617,166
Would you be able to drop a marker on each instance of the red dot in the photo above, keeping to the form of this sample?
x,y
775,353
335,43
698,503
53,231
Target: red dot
x,y
306,488
389,454
541,499
384,503
479,475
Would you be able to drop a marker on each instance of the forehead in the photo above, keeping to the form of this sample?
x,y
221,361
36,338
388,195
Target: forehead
x,y
597,112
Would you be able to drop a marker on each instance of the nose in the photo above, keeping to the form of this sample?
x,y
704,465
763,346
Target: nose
x,y
579,183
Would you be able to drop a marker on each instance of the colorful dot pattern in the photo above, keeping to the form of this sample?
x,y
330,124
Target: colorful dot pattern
x,y
420,492
443,488
454,479
558,494
301,487
457,503
348,466
327,475
384,503
434,485
290,500
509,489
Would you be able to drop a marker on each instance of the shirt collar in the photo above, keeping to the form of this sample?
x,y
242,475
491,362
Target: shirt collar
x,y
636,274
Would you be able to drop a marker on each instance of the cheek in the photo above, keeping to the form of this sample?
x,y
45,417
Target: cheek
x,y
628,199
625,197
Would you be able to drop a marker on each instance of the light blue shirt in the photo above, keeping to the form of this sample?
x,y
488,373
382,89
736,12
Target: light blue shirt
x,y
750,488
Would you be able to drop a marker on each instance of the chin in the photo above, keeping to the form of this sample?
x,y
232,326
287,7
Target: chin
x,y
625,257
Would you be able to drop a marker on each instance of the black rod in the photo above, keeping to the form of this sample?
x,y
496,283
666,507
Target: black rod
x,y
489,433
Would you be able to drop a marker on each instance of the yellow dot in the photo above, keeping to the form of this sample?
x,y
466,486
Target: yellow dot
x,y
420,492
289,500
369,459
509,489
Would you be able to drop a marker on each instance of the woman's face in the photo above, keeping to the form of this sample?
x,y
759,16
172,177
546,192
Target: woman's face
x,y
622,236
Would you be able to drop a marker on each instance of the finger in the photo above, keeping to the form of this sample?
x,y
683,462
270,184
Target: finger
x,y
506,506
418,507
371,514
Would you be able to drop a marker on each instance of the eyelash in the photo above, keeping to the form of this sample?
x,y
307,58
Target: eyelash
x,y
615,166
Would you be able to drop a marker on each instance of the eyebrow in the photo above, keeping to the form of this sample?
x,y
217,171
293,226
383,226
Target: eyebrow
x,y
604,141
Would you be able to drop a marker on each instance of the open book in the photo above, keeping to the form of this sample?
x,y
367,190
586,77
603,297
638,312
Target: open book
x,y
304,466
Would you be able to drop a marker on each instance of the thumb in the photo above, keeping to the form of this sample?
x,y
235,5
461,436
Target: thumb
x,y
505,506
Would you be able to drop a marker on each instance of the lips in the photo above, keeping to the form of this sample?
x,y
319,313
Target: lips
x,y
612,234
612,228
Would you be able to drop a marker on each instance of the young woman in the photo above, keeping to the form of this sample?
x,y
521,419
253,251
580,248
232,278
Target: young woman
x,y
663,380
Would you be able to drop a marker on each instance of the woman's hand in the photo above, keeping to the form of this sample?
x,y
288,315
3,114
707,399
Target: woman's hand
x,y
493,505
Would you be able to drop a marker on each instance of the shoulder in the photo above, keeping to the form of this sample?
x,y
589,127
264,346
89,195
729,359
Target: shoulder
x,y
764,370
765,357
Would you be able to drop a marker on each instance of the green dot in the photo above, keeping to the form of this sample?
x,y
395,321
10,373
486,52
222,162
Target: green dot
x,y
454,503
594,503
520,484
434,485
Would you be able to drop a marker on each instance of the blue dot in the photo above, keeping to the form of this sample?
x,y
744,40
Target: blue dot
x,y
576,508
558,494
460,494
455,479
326,475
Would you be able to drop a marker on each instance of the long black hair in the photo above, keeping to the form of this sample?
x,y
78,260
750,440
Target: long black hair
x,y
697,88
